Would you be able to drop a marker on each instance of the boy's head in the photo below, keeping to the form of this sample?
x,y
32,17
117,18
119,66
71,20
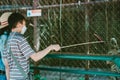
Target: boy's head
x,y
17,22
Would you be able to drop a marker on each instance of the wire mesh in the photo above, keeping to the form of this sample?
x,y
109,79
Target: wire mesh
x,y
69,22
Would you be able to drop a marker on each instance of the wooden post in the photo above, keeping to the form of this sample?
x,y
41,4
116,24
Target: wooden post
x,y
36,34
87,36
36,30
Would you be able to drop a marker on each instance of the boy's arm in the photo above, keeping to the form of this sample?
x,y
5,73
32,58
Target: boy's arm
x,y
39,55
7,69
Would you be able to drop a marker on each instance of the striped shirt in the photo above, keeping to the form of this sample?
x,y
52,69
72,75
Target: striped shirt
x,y
22,51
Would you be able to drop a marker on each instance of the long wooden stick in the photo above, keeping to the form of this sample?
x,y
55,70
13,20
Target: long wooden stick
x,y
82,44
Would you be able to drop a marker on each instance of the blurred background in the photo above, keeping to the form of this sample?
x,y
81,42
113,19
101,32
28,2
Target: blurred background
x,y
68,22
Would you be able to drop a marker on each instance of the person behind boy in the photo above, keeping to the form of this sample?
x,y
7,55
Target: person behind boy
x,y
20,48
3,39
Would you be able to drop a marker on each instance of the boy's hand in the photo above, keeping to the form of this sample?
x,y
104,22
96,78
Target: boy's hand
x,y
55,47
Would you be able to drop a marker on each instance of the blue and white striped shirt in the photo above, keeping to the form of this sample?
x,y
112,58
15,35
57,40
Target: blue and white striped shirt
x,y
22,51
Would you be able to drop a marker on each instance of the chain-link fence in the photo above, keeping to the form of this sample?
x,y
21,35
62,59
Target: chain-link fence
x,y
68,22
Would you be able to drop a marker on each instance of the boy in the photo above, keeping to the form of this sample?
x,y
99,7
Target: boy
x,y
20,48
